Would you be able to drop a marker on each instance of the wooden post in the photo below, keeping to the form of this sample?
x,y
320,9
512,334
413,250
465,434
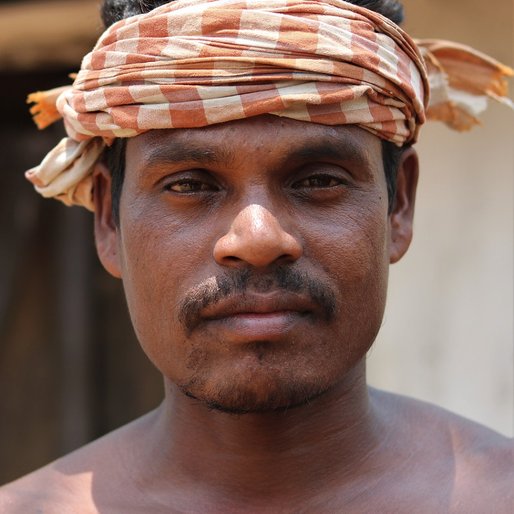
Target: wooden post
x,y
74,325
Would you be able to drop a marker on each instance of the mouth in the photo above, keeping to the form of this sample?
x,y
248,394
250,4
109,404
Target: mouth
x,y
258,317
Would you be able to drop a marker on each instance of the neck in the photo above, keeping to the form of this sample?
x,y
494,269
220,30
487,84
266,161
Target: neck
x,y
279,452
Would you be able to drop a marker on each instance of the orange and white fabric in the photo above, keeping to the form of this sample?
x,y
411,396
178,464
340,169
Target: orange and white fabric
x,y
193,63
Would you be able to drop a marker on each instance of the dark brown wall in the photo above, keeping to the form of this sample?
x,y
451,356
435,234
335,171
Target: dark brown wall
x,y
70,367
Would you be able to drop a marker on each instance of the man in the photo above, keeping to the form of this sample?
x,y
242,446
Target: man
x,y
252,220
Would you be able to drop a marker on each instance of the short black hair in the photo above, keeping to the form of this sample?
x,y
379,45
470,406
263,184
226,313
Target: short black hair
x,y
116,10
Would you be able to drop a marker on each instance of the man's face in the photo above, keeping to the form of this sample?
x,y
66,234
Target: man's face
x,y
254,256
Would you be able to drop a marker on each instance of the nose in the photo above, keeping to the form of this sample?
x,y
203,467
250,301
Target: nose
x,y
256,238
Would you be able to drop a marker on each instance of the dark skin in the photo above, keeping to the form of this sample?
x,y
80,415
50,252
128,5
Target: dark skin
x,y
254,256
269,207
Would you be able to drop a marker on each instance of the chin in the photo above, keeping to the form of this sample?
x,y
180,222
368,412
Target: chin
x,y
259,391
249,405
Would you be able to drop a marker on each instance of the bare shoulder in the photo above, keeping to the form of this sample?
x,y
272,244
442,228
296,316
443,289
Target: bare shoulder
x,y
478,461
484,468
47,491
67,484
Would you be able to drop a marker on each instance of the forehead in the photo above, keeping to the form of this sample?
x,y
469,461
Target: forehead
x,y
266,136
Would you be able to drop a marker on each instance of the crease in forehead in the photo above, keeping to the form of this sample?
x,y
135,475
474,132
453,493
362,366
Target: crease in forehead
x,y
213,144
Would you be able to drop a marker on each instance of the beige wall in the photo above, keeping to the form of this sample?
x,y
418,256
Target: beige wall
x,y
448,331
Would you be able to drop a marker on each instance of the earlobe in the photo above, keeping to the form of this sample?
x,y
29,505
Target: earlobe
x,y
402,215
106,231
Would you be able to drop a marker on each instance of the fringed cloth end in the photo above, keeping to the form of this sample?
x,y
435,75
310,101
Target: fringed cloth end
x,y
461,81
44,111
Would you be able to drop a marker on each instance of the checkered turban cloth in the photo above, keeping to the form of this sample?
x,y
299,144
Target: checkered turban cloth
x,y
193,63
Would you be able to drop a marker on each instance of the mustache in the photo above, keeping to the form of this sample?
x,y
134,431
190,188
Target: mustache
x,y
240,282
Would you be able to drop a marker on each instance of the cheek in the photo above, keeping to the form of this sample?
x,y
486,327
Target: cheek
x,y
161,257
353,250
355,240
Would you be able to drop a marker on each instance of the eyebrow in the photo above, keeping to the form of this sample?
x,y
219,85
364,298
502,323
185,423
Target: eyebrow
x,y
178,151
328,147
331,148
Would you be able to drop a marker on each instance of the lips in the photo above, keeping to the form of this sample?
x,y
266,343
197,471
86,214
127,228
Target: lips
x,y
258,317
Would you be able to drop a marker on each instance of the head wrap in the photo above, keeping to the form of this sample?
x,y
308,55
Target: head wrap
x,y
193,63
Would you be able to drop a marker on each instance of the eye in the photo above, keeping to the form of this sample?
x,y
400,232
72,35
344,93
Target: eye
x,y
318,181
189,185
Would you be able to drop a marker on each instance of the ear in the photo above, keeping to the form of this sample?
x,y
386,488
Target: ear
x,y
401,218
106,231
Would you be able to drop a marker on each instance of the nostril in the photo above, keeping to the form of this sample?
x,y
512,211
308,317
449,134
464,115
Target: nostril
x,y
231,258
286,258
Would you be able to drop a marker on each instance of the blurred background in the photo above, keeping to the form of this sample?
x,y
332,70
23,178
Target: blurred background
x,y
70,367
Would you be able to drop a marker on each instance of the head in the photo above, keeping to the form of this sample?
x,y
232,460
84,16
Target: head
x,y
255,253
